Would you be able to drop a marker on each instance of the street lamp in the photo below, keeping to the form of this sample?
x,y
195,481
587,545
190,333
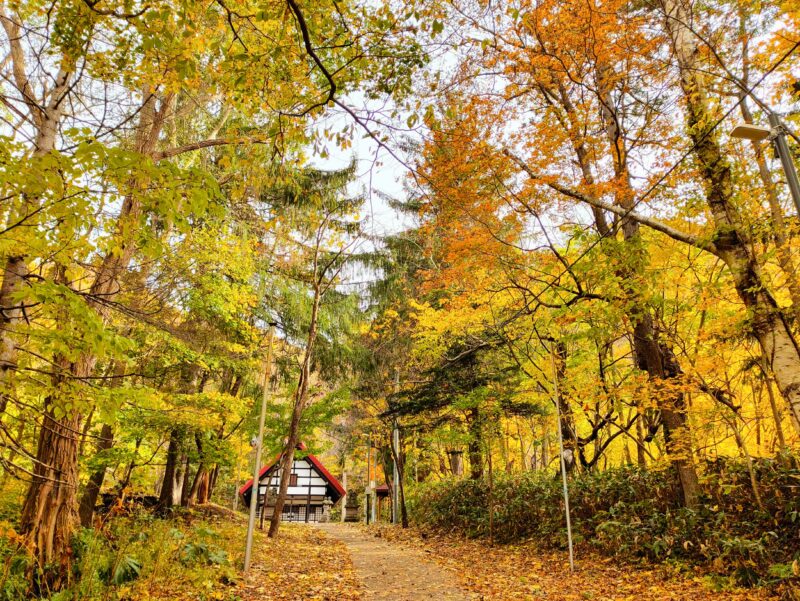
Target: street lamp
x,y
776,134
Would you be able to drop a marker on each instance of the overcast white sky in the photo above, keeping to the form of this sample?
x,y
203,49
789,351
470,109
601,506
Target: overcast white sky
x,y
377,172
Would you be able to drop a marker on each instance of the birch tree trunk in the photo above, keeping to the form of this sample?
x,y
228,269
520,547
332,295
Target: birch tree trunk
x,y
46,117
768,322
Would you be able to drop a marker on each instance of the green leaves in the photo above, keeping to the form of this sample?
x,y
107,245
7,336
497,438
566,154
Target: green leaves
x,y
126,570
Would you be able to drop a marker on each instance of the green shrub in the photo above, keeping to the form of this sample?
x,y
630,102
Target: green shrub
x,y
636,513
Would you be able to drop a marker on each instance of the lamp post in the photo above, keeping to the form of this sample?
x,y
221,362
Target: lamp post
x,y
776,134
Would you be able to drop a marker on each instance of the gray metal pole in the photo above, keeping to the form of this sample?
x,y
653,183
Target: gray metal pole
x,y
395,459
396,475
255,490
785,155
367,511
563,463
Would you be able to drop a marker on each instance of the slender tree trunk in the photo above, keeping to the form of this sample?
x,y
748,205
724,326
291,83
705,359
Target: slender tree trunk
x,y
641,456
92,491
126,477
651,355
773,405
184,481
166,498
190,498
47,119
737,435
12,453
105,442
203,487
475,428
399,459
212,482
545,449
300,399
569,433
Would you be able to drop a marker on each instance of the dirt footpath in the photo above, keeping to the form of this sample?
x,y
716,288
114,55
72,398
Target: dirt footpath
x,y
395,573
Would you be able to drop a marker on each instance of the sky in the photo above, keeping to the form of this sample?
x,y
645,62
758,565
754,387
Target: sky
x,y
379,174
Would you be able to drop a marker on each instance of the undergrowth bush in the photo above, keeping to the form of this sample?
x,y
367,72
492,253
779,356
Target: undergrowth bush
x,y
131,557
636,513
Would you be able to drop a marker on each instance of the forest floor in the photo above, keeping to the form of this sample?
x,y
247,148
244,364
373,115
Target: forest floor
x,y
301,564
517,572
328,562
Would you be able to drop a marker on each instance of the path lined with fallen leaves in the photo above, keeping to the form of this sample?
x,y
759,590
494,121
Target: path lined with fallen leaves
x,y
391,572
301,564
527,573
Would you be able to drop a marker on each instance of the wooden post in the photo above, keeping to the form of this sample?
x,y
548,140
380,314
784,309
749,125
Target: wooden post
x,y
344,498
308,495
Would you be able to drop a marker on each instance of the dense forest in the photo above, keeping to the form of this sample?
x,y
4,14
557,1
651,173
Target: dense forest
x,y
579,269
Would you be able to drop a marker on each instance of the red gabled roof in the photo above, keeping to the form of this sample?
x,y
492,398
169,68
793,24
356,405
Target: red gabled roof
x,y
314,461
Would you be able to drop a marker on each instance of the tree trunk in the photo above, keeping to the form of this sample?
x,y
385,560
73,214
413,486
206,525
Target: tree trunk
x,y
42,519
92,491
14,274
47,119
183,479
203,487
398,458
169,488
641,457
300,399
767,321
568,431
651,355
50,512
104,443
212,481
475,428
773,405
13,449
659,363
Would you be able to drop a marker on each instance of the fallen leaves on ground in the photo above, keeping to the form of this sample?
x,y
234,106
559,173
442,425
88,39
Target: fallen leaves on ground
x,y
302,564
516,572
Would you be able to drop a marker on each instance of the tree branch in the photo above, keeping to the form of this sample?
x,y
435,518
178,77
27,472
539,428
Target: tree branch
x,y
172,152
301,23
653,224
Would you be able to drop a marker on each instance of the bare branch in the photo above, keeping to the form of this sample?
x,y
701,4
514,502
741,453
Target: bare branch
x,y
653,224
